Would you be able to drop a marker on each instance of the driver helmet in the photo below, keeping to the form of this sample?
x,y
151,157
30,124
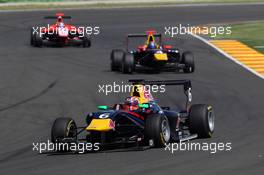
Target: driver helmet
x,y
132,102
59,19
61,24
151,45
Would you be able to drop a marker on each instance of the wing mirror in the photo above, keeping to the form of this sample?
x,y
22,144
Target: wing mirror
x,y
103,107
144,105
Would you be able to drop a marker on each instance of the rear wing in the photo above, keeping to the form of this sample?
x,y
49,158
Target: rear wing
x,y
187,86
156,35
55,17
185,83
143,35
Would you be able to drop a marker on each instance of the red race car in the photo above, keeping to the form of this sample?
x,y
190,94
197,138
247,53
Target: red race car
x,y
59,34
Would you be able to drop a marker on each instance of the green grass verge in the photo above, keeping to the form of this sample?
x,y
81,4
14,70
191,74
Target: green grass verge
x,y
48,4
177,1
4,1
250,33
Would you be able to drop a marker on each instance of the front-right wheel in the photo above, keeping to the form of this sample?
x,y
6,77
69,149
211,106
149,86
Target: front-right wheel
x,y
63,128
157,129
201,120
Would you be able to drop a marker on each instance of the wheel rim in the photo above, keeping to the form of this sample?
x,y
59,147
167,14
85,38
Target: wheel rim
x,y
72,130
165,130
211,120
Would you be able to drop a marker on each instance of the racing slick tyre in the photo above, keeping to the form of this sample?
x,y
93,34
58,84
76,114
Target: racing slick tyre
x,y
38,42
188,60
64,130
128,64
32,37
86,41
157,129
201,120
116,59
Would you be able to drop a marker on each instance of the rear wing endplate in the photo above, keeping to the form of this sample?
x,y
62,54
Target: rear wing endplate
x,y
142,35
55,17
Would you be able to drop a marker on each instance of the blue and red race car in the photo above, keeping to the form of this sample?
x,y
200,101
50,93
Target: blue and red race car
x,y
140,121
152,56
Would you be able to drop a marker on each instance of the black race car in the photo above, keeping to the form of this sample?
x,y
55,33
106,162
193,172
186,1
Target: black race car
x,y
139,121
152,56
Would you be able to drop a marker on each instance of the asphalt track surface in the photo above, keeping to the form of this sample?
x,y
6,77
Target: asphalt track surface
x,y
39,84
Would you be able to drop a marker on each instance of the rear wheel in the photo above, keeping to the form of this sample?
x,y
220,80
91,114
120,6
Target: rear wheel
x,y
128,64
38,42
188,60
201,120
86,41
157,129
116,59
32,36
